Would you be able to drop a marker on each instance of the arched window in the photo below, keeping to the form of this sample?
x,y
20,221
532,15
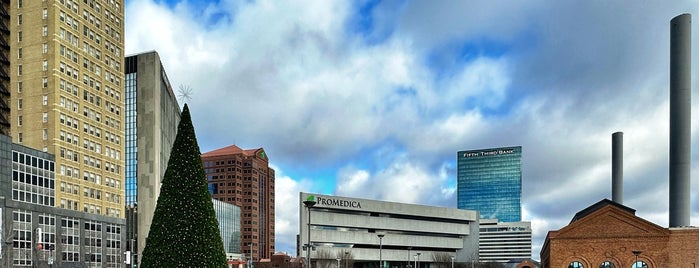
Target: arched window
x,y
639,264
607,264
575,264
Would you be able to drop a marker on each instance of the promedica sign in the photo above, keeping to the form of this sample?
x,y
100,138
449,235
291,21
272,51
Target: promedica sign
x,y
335,202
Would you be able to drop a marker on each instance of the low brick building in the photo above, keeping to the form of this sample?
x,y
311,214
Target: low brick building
x,y
608,233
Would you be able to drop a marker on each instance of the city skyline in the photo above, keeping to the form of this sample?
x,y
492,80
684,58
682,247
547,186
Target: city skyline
x,y
371,99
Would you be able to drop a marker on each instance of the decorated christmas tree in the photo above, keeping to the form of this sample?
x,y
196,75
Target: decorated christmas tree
x,y
184,231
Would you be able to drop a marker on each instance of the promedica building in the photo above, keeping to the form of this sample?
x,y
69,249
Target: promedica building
x,y
355,232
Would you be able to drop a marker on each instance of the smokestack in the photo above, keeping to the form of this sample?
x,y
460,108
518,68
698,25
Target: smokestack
x,y
618,167
680,119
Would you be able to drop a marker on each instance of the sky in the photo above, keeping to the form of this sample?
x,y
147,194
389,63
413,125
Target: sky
x,y
372,99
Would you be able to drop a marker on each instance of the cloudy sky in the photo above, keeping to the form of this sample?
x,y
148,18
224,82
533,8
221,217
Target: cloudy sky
x,y
372,99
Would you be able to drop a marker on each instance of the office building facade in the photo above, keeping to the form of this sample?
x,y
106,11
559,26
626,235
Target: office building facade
x,y
34,232
504,241
66,83
151,118
228,217
244,178
398,234
490,181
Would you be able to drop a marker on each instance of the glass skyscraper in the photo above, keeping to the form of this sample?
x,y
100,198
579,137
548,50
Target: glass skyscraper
x,y
490,181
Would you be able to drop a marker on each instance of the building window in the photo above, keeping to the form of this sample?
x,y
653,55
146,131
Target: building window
x,y
46,134
45,48
45,65
19,120
639,264
575,264
19,69
19,53
45,31
607,264
45,117
19,3
19,104
45,13
19,137
45,100
19,87
19,19
45,82
19,36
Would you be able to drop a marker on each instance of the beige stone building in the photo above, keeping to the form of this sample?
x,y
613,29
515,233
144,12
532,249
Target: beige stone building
x,y
608,234
66,83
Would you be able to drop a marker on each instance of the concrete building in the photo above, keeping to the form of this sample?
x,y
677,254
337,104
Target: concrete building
x,y
608,234
228,217
244,178
490,181
401,235
151,118
5,67
66,79
34,232
504,241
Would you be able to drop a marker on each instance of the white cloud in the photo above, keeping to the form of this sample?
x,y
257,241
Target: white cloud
x,y
297,80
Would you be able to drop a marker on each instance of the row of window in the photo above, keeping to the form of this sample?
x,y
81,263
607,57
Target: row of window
x,y
608,264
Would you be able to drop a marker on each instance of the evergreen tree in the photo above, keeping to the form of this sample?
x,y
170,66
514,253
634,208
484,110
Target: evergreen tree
x,y
184,231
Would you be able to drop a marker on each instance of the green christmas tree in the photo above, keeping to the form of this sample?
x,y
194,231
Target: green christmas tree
x,y
184,231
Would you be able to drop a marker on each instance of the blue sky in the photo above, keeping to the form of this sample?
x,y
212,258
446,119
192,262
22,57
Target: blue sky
x,y
372,99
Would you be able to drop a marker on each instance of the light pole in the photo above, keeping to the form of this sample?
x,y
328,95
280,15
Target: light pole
x,y
409,248
309,203
452,261
636,253
250,266
418,260
338,262
415,260
380,247
346,258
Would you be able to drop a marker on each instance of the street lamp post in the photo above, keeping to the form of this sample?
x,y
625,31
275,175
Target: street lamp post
x,y
346,258
338,262
409,248
309,204
250,265
418,260
415,260
380,247
452,261
636,253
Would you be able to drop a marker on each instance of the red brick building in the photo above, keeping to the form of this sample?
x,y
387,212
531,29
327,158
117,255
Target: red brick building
x,y
610,232
244,178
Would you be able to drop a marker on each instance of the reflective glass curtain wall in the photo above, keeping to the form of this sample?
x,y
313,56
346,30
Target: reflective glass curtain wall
x,y
490,181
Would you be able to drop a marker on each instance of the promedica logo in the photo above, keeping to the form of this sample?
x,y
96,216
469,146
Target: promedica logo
x,y
336,202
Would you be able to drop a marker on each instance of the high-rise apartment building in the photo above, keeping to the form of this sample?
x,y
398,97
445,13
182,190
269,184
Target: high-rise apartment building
x,y
152,115
5,67
244,178
66,82
490,181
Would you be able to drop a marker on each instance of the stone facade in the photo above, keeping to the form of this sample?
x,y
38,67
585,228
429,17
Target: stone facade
x,y
610,232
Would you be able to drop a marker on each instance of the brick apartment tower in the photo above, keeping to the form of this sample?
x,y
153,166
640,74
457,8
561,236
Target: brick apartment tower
x,y
66,80
244,178
5,67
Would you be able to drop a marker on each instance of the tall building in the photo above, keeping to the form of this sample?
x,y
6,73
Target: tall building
x,y
152,115
398,234
5,67
244,178
504,241
228,217
66,79
34,232
490,181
